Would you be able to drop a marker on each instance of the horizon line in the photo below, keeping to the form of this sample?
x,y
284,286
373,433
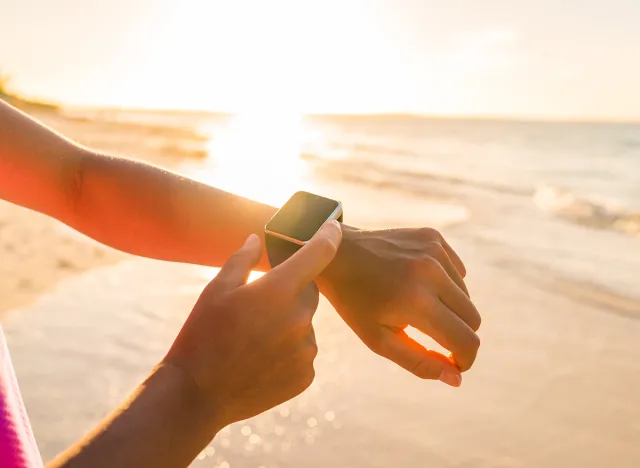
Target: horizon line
x,y
531,118
406,114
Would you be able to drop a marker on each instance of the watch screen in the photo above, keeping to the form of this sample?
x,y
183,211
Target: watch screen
x,y
302,216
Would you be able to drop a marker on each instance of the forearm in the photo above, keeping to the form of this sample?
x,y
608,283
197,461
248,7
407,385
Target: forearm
x,y
152,212
129,205
164,424
37,165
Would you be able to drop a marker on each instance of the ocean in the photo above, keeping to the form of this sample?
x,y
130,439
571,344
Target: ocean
x,y
546,216
561,198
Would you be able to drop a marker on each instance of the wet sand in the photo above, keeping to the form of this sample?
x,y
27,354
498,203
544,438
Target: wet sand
x,y
556,383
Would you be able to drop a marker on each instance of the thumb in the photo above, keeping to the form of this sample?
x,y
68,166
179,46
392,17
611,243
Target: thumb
x,y
308,262
235,272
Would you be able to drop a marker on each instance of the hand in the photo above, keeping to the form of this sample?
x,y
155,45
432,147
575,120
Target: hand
x,y
250,347
383,281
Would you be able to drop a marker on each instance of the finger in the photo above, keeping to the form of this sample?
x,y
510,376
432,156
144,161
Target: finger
x,y
438,251
308,262
304,307
312,337
449,331
459,302
308,299
297,315
457,261
235,272
412,356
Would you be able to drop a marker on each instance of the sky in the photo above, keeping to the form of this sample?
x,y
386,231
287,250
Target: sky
x,y
544,59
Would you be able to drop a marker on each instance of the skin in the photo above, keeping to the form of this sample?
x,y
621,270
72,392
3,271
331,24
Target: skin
x,y
244,349
380,281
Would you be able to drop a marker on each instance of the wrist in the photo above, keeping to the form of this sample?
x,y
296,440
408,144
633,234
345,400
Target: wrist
x,y
199,411
337,271
164,423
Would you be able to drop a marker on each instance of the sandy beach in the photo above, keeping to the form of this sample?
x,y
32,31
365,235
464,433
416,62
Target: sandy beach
x,y
556,383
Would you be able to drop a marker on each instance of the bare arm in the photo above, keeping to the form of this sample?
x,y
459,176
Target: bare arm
x,y
148,211
129,205
163,424
380,282
38,167
216,374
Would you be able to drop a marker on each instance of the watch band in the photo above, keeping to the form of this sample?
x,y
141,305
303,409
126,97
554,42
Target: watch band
x,y
278,249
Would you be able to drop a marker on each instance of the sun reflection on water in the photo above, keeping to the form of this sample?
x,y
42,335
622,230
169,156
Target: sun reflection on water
x,y
258,156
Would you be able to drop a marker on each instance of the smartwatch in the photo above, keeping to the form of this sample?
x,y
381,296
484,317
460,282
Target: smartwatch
x,y
296,223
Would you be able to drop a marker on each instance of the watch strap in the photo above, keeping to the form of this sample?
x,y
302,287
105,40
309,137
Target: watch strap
x,y
278,249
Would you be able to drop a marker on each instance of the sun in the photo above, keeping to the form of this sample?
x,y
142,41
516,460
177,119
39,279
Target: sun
x,y
257,155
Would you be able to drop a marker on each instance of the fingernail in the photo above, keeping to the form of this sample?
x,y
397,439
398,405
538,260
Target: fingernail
x,y
251,241
451,377
332,230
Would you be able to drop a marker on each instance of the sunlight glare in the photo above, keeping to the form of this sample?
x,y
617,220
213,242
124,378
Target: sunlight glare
x,y
258,156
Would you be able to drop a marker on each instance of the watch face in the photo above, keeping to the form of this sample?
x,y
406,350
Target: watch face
x,y
302,216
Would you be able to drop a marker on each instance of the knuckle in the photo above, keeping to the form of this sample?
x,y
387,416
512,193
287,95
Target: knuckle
x,y
306,350
280,291
325,247
425,369
377,344
301,326
234,258
431,234
213,294
475,343
430,266
476,321
210,289
309,296
309,346
435,249
311,351
306,378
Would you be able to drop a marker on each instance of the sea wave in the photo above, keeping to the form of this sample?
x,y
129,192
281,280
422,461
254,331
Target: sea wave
x,y
560,202
382,175
567,205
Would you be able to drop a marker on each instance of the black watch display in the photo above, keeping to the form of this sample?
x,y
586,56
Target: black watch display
x,y
296,223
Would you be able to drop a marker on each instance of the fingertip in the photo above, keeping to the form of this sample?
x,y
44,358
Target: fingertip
x,y
252,242
332,231
450,376
248,256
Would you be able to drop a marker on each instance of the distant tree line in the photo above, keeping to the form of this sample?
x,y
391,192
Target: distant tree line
x,y
4,82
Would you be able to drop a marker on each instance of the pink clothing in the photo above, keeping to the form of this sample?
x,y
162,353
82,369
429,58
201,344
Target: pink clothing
x,y
18,448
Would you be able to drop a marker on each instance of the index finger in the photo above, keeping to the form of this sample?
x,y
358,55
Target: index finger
x,y
307,263
455,258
